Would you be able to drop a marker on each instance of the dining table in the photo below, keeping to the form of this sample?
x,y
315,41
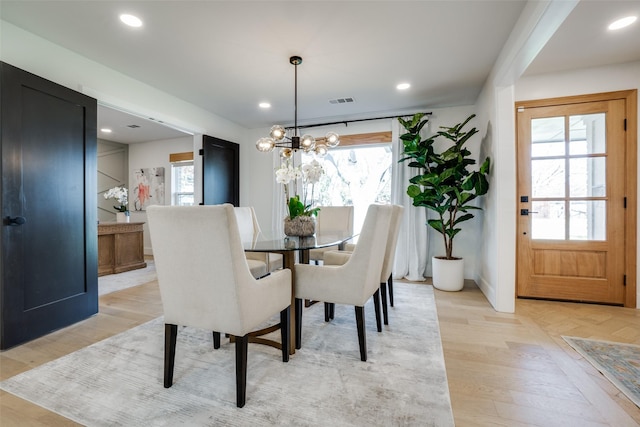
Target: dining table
x,y
293,249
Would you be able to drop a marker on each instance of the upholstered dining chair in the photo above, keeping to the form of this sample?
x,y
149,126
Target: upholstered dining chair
x,y
331,219
249,232
352,283
386,277
205,282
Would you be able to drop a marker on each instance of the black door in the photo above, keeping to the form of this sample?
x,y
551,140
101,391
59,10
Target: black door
x,y
49,207
221,171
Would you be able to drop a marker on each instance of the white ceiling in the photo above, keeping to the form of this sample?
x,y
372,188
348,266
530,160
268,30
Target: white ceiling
x,y
227,56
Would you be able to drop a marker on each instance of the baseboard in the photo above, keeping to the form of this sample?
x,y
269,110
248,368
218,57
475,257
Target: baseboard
x,y
488,290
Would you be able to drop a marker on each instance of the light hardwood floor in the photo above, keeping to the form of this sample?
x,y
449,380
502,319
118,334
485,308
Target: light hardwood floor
x,y
503,369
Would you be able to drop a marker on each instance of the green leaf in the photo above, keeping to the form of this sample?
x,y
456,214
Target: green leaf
x,y
413,191
462,218
481,185
437,225
484,168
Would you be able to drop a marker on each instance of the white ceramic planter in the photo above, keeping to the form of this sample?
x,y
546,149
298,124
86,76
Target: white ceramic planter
x,y
122,216
448,274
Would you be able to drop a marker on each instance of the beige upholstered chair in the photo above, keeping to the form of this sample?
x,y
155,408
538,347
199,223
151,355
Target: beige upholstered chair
x,y
386,277
352,283
260,263
205,282
332,219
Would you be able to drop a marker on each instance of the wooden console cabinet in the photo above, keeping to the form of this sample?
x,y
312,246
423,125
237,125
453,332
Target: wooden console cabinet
x,y
120,247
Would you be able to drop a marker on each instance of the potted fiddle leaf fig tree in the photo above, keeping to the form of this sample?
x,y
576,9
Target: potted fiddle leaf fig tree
x,y
446,185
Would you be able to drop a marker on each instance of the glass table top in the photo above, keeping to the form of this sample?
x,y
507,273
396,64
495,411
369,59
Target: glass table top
x,y
266,243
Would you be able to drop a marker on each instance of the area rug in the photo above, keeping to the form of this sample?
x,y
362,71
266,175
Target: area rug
x,y
116,282
618,362
118,381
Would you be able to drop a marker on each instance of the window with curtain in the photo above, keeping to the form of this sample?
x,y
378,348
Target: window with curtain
x,y
355,175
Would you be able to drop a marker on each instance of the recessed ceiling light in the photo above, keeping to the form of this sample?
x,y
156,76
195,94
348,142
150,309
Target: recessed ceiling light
x,y
621,23
403,86
130,20
105,130
264,105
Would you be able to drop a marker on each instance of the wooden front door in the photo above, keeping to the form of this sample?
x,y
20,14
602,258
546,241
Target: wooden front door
x,y
48,272
574,235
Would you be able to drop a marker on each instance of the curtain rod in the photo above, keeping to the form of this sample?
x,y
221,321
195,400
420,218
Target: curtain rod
x,y
345,122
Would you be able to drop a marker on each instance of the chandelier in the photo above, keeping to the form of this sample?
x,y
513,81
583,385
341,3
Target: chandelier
x,y
278,134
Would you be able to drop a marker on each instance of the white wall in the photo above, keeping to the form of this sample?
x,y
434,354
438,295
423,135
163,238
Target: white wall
x,y
581,82
110,87
495,272
154,154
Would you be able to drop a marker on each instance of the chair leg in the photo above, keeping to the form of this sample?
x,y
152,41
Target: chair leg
x,y
327,311
216,340
383,295
242,344
376,306
332,310
362,333
170,335
285,317
298,323
390,286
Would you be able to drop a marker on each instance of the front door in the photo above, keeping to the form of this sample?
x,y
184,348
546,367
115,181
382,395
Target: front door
x,y
48,273
573,233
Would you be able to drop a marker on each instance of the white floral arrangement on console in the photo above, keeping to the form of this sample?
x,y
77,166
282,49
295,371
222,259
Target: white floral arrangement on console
x,y
120,195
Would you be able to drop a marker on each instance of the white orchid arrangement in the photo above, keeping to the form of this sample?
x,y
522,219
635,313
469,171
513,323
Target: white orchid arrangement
x,y
310,173
120,195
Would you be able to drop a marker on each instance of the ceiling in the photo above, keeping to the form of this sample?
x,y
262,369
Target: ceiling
x,y
227,56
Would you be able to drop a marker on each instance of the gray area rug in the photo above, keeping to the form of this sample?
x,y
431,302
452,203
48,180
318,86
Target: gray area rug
x,y
116,282
118,381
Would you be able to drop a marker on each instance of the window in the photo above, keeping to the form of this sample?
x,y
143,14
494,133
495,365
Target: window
x,y
356,175
182,183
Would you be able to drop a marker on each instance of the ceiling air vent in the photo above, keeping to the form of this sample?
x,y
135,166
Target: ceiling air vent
x,y
341,100
133,126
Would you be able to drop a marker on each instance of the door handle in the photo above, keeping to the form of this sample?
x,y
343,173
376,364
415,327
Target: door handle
x,y
526,212
18,220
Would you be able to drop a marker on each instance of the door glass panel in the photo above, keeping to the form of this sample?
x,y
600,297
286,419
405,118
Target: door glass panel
x,y
587,134
547,220
587,177
547,178
547,137
587,220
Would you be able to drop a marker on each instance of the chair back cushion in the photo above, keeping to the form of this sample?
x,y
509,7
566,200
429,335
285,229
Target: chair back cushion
x,y
368,256
200,264
355,281
392,241
246,223
333,219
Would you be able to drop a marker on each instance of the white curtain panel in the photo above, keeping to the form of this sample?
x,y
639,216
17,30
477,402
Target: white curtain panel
x,y
411,252
279,210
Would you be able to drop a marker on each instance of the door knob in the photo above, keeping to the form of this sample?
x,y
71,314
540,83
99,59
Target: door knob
x,y
18,220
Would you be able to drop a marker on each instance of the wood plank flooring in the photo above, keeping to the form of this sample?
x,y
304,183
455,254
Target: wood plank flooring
x,y
503,369
516,370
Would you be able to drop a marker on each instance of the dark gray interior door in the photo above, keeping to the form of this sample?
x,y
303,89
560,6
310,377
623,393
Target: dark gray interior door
x,y
221,171
49,207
